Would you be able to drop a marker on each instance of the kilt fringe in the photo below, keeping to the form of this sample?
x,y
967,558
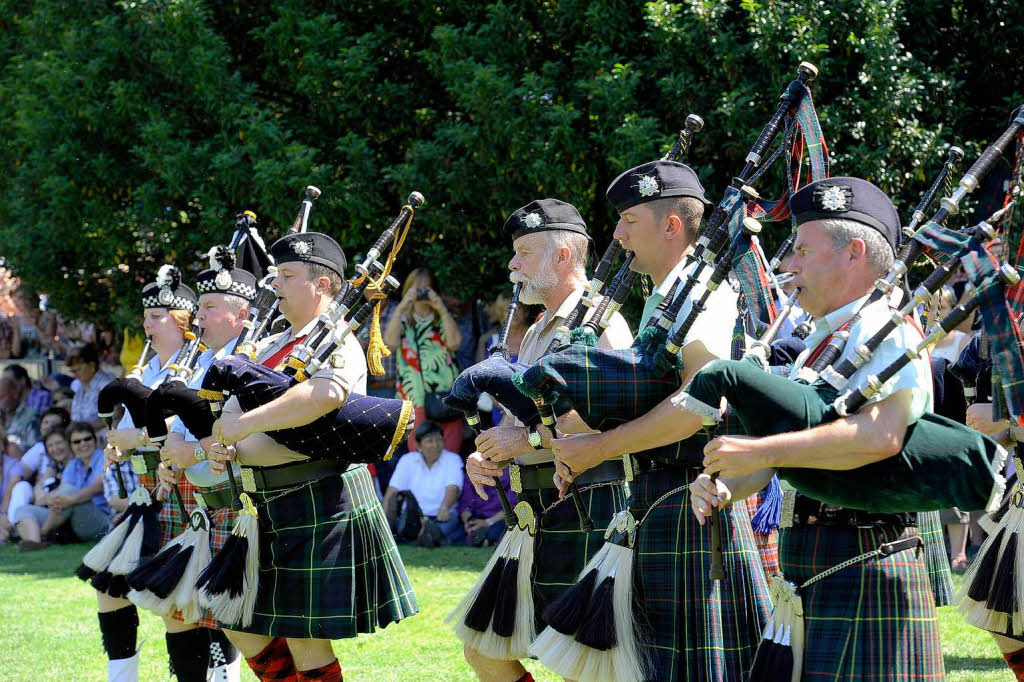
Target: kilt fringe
x,y
992,596
936,561
496,617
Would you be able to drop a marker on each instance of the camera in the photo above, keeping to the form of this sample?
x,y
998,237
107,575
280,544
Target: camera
x,y
422,294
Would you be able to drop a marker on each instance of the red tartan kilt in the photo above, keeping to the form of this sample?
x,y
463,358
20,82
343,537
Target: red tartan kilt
x,y
767,545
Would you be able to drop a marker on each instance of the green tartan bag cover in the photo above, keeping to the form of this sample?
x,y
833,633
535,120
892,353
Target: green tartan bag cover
x,y
942,463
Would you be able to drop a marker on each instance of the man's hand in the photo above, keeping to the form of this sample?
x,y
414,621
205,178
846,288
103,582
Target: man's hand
x,y
217,454
502,443
979,418
706,494
111,454
231,428
578,453
167,478
444,515
482,472
179,453
123,439
735,456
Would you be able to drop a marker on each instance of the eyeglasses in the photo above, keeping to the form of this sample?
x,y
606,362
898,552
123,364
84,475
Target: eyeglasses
x,y
87,439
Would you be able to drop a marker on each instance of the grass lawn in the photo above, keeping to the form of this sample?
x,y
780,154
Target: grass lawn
x,y
48,626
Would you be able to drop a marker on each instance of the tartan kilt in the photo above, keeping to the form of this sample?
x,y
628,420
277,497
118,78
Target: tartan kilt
x,y
936,561
222,522
871,621
561,549
697,629
169,515
329,567
767,545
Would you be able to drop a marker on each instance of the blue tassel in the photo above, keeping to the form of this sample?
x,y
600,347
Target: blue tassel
x,y
768,515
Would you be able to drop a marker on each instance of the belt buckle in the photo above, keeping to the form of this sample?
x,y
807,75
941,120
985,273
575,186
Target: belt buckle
x,y
627,468
139,465
200,500
515,478
248,480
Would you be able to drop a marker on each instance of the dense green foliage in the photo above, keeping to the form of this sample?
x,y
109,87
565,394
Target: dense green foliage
x,y
133,132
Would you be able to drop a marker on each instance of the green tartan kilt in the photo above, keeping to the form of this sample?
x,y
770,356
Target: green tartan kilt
x,y
871,621
561,549
936,561
329,567
697,629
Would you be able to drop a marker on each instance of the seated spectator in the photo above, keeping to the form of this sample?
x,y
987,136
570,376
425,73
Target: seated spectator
x,y
434,477
22,421
424,335
483,521
10,470
20,487
84,363
69,494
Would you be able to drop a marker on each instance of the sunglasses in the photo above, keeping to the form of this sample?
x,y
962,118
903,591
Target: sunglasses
x,y
87,439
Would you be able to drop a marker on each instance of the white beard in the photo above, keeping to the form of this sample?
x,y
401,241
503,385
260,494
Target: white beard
x,y
534,290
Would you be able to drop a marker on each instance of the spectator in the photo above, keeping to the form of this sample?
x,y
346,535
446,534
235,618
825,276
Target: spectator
x,y
19,490
84,363
8,342
434,477
10,473
70,494
21,420
483,520
423,334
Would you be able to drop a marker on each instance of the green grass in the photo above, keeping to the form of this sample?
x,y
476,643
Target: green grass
x,y
48,627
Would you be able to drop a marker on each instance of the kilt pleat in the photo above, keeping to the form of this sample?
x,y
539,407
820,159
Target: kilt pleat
x,y
561,548
936,560
872,621
697,629
329,567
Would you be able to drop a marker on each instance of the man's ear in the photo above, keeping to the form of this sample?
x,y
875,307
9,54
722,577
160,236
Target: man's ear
x,y
672,226
858,249
563,258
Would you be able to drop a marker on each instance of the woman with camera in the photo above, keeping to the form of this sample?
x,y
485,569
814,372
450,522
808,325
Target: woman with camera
x,y
425,336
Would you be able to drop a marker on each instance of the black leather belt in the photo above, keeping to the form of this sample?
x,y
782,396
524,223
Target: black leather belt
x,y
292,474
645,465
541,476
215,500
808,511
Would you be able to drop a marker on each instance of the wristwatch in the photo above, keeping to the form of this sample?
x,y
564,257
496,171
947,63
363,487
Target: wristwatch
x,y
534,438
200,454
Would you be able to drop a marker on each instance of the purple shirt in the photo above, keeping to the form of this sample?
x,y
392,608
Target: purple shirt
x,y
481,508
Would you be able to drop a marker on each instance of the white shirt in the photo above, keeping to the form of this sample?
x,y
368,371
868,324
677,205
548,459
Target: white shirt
x,y
199,474
428,484
915,376
32,461
260,449
153,375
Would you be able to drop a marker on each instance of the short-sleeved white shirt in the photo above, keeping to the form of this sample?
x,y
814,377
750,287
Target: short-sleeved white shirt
x,y
428,483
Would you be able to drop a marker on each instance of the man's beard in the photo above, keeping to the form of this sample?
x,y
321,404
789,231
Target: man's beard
x,y
535,290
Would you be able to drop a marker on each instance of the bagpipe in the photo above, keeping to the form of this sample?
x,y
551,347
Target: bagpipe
x,y
363,429
591,632
942,463
634,380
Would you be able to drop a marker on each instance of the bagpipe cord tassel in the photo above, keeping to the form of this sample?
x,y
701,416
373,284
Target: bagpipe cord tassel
x,y
779,656
496,617
769,513
229,583
165,582
606,644
376,349
142,540
985,584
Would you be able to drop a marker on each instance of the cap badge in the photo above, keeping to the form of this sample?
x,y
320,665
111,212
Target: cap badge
x,y
166,296
834,198
648,186
532,220
300,248
223,280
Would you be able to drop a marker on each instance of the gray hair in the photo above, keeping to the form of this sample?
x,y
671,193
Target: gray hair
x,y
877,250
236,302
576,243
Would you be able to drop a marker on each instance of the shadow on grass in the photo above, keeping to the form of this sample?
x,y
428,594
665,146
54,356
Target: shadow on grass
x,y
973,663
59,561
